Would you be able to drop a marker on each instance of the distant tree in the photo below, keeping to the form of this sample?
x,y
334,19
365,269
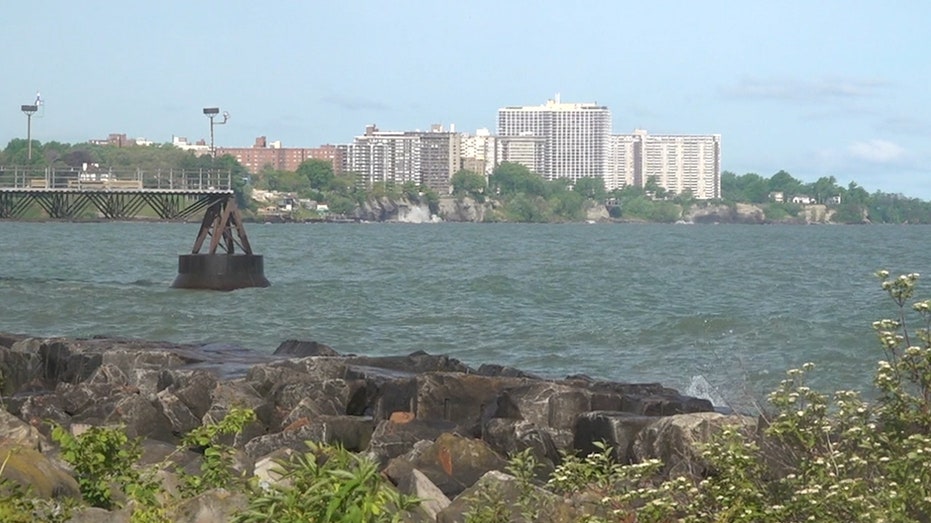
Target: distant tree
x,y
344,184
591,187
567,205
653,187
784,182
849,213
824,188
319,173
468,183
525,208
855,194
513,178
341,205
77,158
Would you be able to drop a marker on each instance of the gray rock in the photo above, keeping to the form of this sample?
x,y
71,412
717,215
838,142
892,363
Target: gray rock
x,y
677,440
452,462
391,439
213,506
617,429
36,471
303,349
99,515
14,431
352,432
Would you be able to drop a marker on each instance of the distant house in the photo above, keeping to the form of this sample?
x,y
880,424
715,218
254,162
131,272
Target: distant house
x,y
803,199
777,196
834,200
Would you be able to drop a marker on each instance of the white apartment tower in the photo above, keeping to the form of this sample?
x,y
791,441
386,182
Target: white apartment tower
x,y
384,156
677,162
478,151
396,157
575,137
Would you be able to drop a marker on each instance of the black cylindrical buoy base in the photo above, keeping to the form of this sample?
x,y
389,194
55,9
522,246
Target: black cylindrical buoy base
x,y
220,272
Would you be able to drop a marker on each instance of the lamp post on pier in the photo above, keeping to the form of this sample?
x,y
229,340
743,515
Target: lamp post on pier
x,y
212,112
29,110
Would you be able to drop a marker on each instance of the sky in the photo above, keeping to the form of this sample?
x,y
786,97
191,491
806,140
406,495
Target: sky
x,y
825,88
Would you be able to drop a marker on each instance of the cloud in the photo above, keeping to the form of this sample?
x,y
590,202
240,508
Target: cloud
x,y
877,151
904,125
353,103
817,90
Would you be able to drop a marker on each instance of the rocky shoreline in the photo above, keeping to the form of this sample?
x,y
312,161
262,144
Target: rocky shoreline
x,y
435,427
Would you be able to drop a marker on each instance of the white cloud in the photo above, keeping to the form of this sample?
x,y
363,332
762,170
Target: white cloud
x,y
804,90
877,151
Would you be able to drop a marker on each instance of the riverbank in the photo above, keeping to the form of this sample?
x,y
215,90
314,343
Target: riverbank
x,y
433,425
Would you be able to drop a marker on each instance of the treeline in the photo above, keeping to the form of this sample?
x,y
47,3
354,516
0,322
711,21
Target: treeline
x,y
520,194
856,205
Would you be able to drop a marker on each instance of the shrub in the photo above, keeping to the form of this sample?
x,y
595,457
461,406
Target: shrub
x,y
327,484
102,457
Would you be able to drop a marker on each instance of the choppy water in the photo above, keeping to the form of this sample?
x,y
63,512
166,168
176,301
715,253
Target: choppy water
x,y
737,305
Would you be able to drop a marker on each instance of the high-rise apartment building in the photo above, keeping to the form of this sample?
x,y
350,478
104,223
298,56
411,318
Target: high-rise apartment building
x,y
478,151
429,158
384,157
576,136
526,149
677,162
440,156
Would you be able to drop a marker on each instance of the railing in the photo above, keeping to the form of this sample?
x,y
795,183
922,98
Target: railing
x,y
47,178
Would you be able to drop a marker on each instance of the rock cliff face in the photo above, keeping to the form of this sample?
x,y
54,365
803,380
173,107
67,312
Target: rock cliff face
x,y
464,210
405,211
741,213
753,214
389,210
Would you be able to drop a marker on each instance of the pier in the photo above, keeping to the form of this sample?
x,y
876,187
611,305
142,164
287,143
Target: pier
x,y
67,193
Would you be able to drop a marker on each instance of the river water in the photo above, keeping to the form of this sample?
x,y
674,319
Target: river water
x,y
729,307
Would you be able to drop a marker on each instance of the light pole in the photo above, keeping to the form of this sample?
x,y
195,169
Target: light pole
x,y
29,110
211,112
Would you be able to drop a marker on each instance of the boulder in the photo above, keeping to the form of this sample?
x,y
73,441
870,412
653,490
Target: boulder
x,y
545,404
31,469
509,437
100,515
677,440
386,390
432,499
618,429
352,432
460,398
212,506
303,349
14,431
452,462
180,417
501,497
391,439
266,378
40,411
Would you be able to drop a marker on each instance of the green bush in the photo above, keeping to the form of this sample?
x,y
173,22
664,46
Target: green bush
x,y
327,484
102,457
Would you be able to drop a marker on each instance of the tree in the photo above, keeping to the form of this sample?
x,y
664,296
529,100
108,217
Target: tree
x,y
513,178
319,173
784,182
591,187
653,187
824,188
466,182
